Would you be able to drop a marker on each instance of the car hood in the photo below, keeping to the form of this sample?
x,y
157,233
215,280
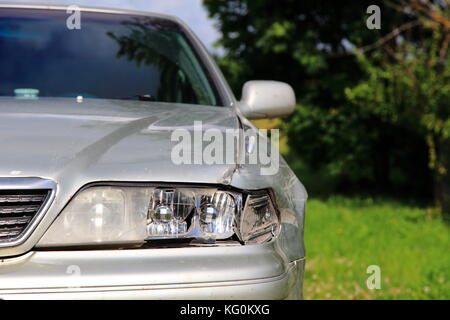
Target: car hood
x,y
103,140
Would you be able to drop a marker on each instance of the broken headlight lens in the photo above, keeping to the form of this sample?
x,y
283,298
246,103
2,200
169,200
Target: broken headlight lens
x,y
133,215
259,220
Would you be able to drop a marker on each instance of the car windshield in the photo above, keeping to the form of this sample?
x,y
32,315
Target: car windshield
x,y
44,53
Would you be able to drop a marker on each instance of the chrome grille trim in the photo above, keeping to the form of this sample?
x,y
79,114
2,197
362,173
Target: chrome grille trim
x,y
19,209
12,221
21,198
23,202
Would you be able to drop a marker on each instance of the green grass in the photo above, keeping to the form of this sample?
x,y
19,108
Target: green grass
x,y
346,235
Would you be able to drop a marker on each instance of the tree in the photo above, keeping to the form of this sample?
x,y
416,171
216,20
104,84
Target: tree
x,y
309,45
408,83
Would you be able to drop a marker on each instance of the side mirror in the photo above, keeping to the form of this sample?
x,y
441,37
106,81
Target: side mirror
x,y
266,99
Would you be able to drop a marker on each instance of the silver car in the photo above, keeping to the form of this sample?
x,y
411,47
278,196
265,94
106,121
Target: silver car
x,y
109,185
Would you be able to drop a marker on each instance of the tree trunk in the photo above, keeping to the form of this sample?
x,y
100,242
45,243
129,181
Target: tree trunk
x,y
442,179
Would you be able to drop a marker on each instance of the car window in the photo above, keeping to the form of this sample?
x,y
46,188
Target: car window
x,y
112,56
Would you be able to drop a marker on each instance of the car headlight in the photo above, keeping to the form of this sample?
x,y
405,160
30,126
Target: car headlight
x,y
108,215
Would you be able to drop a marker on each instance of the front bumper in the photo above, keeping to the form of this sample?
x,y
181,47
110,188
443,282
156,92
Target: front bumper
x,y
234,272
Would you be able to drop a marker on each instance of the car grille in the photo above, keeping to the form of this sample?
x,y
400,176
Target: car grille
x,y
18,208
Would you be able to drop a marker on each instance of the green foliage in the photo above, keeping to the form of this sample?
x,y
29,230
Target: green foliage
x,y
413,92
287,40
411,88
306,43
346,235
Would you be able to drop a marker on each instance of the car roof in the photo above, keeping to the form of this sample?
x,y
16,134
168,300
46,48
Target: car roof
x,y
61,5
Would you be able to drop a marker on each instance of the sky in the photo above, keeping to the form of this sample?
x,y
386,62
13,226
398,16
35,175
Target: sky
x,y
191,11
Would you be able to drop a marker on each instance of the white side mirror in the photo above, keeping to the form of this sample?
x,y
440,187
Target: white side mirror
x,y
267,99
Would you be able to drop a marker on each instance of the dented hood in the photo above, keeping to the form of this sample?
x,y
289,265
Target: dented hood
x,y
103,140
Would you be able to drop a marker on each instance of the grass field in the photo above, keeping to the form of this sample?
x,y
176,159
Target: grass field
x,y
346,235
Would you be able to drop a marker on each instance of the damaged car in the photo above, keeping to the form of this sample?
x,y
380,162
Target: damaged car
x,y
103,192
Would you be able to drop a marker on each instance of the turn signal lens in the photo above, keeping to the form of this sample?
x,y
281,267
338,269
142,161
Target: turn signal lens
x,y
259,221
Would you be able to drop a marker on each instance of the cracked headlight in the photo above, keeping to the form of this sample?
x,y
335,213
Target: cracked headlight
x,y
114,215
259,221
